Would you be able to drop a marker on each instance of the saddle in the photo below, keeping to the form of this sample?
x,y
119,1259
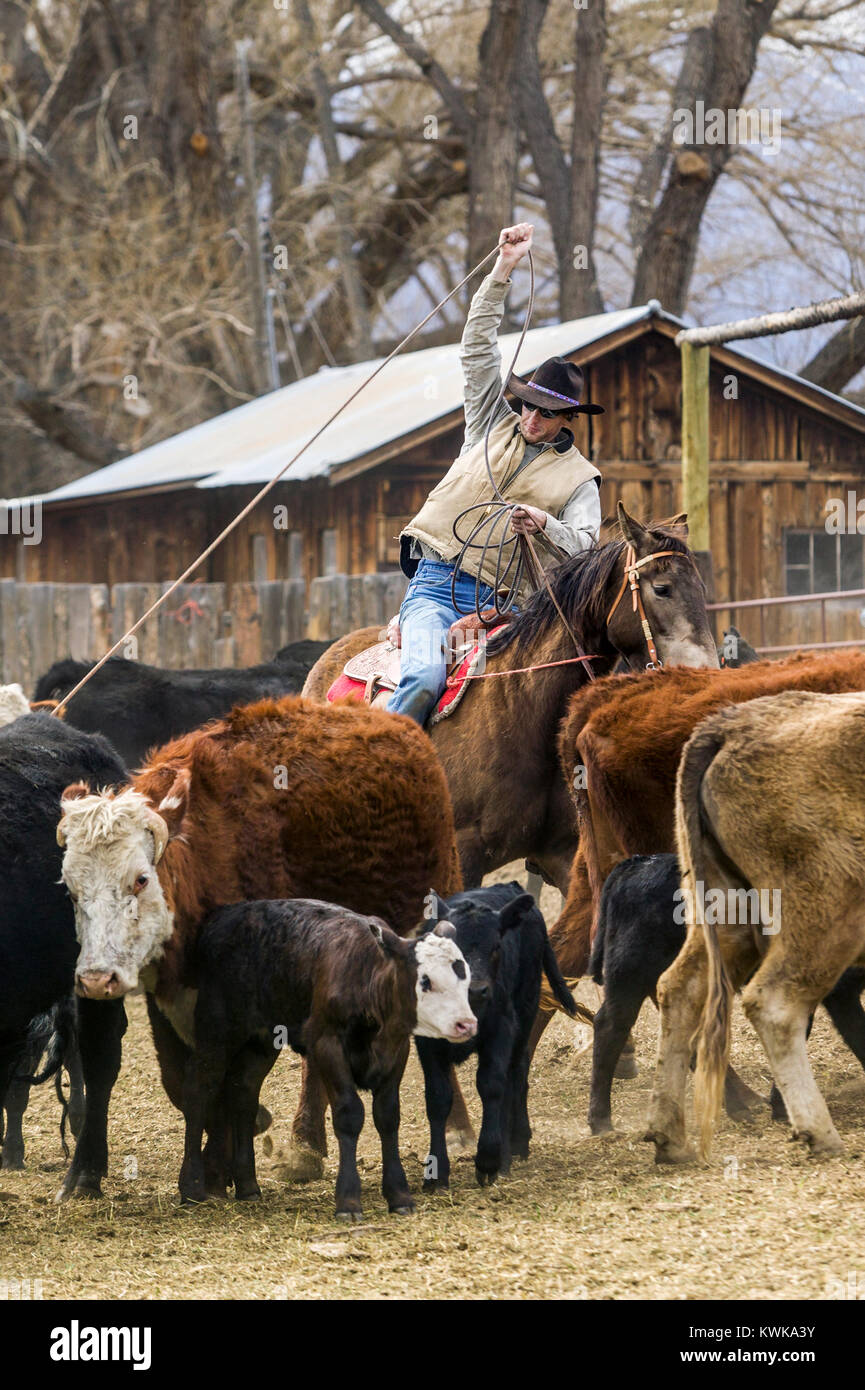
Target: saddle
x,y
373,674
377,669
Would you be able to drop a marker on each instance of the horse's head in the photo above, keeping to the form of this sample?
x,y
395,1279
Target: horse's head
x,y
669,591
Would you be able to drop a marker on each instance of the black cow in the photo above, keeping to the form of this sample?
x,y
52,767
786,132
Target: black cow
x,y
736,650
303,653
641,929
328,982
140,707
503,937
39,756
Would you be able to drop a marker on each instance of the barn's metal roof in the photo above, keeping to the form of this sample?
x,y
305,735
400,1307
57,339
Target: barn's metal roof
x,y
249,444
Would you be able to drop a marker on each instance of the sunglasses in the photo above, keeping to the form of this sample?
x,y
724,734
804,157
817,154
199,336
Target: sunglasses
x,y
543,412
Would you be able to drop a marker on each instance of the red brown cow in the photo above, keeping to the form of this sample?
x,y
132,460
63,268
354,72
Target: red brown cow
x,y
284,798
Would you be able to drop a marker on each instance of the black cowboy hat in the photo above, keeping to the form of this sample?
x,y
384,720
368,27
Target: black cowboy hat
x,y
556,385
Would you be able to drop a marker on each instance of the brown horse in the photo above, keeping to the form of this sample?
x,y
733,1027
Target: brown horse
x,y
510,797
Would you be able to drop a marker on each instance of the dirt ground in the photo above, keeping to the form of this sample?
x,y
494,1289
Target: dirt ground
x,y
584,1218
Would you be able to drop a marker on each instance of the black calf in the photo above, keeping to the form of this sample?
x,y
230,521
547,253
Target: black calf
x,y
637,939
503,937
334,985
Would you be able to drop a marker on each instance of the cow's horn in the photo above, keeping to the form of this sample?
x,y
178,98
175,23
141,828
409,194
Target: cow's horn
x,y
159,829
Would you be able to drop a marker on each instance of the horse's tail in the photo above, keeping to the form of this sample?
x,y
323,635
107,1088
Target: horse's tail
x,y
698,853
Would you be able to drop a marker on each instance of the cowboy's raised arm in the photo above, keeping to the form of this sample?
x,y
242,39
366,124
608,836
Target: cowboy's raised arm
x,y
479,351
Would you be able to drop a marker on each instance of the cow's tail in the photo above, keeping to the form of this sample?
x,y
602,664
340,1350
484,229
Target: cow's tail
x,y
695,844
57,1032
596,959
556,993
556,980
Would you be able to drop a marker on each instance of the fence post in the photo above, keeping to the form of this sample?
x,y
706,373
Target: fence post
x,y
695,443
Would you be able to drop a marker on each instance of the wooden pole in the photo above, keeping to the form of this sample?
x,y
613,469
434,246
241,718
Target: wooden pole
x,y
851,306
695,443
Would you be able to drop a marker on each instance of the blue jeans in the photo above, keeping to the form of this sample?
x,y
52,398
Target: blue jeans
x,y
426,613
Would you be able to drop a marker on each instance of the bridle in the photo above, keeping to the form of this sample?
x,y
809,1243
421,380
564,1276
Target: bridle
x,y
632,578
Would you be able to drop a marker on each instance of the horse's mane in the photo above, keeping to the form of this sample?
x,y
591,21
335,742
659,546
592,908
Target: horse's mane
x,y
581,587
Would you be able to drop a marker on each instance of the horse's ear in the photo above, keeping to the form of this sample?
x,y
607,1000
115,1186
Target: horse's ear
x,y
635,534
679,524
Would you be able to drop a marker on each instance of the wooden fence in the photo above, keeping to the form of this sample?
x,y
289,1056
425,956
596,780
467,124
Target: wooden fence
x,y
201,625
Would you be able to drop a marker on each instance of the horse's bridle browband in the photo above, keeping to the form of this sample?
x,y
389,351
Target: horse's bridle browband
x,y
632,577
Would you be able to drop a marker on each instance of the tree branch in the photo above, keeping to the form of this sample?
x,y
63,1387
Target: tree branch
x,y
449,93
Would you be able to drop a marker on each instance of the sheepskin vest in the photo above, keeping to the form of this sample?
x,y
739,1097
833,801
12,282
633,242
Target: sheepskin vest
x,y
547,482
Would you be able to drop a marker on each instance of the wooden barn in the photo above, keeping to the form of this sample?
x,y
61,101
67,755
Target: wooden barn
x,y
780,449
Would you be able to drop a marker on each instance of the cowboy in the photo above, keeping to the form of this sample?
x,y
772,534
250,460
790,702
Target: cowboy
x,y
535,463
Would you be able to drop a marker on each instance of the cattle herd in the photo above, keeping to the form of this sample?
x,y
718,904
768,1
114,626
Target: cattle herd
x,y
275,872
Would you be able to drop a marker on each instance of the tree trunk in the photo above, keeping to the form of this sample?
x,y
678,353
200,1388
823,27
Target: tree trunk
x,y
495,137
839,359
666,260
693,77
580,292
183,104
360,340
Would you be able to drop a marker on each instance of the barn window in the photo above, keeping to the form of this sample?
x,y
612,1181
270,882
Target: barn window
x,y
818,563
327,551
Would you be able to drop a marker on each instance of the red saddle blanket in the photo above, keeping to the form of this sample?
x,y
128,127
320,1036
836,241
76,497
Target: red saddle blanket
x,y
374,673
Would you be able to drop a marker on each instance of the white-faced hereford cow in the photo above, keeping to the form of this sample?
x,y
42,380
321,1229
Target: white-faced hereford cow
x,y
770,825
281,799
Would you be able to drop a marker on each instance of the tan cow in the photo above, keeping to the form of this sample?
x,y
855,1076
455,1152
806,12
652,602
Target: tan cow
x,y
770,831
